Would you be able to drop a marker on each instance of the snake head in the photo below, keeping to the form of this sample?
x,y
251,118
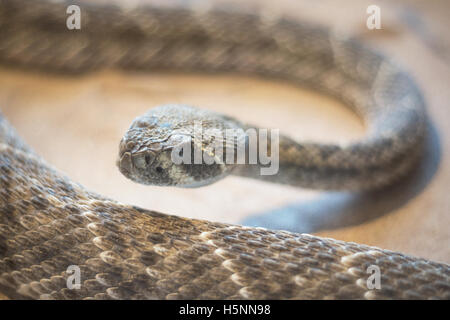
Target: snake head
x,y
150,151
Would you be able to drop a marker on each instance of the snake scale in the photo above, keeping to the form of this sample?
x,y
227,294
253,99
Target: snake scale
x,y
48,222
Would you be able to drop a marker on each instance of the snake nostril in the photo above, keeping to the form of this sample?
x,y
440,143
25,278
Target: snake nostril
x,y
159,169
125,147
130,145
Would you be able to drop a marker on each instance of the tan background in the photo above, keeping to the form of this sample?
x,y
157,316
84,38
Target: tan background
x,y
77,122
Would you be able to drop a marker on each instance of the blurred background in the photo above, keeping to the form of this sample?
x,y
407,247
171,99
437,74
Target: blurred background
x,y
76,124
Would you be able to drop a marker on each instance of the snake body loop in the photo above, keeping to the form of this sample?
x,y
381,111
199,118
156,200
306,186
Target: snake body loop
x,y
48,222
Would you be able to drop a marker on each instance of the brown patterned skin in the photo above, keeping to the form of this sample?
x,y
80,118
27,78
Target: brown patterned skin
x,y
48,222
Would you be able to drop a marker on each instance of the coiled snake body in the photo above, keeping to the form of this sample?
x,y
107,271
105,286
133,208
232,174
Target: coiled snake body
x,y
48,222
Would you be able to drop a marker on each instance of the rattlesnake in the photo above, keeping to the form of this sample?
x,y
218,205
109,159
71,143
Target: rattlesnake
x,y
49,223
